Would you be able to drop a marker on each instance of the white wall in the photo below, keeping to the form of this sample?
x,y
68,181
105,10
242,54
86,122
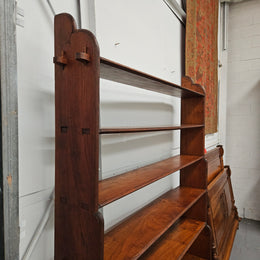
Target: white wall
x,y
243,106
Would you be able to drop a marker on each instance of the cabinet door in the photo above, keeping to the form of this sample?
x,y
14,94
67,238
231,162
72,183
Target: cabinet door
x,y
220,207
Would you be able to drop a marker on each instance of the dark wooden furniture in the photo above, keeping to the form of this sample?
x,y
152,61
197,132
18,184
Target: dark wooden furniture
x,y
172,226
222,213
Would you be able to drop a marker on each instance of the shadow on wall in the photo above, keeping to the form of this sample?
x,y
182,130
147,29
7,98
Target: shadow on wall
x,y
124,152
133,151
47,14
36,139
136,114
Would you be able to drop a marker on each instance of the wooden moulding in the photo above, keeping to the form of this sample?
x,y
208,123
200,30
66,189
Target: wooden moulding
x,y
195,175
223,217
78,226
230,241
187,83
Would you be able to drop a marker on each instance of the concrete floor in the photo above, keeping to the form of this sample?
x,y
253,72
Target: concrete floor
x,y
247,241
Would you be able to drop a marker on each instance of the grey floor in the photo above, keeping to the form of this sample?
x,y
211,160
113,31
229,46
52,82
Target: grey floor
x,y
247,241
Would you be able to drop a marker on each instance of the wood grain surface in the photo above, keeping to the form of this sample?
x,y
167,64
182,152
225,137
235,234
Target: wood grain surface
x,y
77,144
214,158
116,187
134,236
176,241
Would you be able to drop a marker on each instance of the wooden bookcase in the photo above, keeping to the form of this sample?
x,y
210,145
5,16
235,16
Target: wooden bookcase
x,y
171,227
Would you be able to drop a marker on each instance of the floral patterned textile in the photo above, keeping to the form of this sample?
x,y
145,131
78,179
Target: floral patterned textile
x,y
201,54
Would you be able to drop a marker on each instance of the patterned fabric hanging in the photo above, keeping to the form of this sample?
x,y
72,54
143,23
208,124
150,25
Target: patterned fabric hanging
x,y
201,54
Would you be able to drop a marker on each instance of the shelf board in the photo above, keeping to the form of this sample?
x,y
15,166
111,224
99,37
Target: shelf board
x,y
192,257
121,185
146,129
114,71
131,238
176,241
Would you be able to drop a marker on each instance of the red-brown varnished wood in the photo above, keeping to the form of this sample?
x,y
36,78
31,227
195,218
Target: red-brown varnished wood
x,y
198,211
77,145
222,213
111,70
202,245
234,223
215,162
131,238
187,83
217,184
192,257
116,187
192,112
195,176
146,129
176,241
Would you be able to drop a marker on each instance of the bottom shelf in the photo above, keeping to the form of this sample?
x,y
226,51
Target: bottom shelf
x,y
176,241
134,236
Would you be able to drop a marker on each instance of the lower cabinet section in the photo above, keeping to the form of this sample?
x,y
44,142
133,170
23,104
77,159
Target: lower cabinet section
x,y
222,213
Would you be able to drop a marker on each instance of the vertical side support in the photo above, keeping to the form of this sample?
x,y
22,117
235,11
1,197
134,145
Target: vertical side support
x,y
192,112
192,140
9,193
192,143
79,229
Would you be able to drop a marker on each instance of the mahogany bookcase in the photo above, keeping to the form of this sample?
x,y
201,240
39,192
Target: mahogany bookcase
x,y
171,227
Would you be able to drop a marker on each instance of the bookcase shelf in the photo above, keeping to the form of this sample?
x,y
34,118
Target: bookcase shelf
x,y
172,223
147,225
174,244
146,129
116,187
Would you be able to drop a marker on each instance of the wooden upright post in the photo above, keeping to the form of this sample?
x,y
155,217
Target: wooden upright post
x,y
79,229
192,140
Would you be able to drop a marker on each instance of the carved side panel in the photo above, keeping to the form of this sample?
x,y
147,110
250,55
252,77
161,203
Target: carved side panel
x,y
222,214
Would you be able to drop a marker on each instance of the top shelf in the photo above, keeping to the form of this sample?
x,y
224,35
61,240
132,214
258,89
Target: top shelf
x,y
111,70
